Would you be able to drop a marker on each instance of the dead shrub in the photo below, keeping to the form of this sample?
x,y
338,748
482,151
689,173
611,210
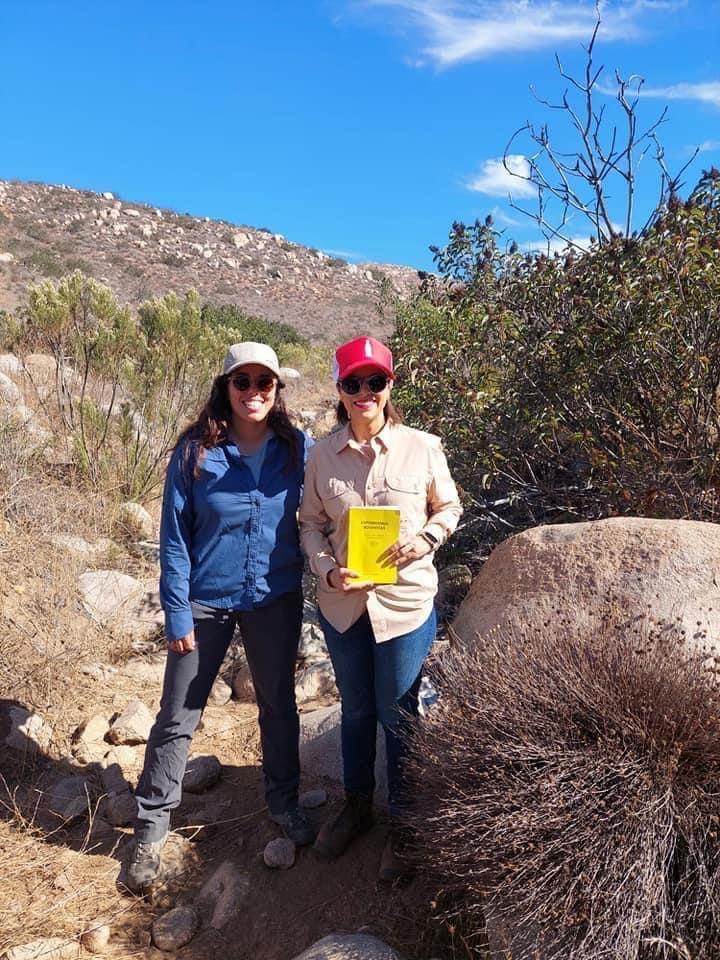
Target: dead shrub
x,y
571,784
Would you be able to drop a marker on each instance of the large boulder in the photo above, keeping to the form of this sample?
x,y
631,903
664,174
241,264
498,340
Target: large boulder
x,y
579,572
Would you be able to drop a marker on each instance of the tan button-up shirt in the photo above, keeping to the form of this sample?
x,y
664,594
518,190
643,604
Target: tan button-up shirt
x,y
399,467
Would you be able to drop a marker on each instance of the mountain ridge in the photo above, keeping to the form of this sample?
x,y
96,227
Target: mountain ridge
x,y
143,251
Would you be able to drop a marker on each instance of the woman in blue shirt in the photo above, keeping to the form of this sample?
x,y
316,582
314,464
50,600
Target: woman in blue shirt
x,y
229,555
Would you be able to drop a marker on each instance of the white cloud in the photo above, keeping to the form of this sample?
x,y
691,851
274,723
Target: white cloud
x,y
702,92
502,219
497,180
458,31
708,146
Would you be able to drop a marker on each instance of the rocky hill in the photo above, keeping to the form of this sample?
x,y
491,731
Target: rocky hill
x,y
143,251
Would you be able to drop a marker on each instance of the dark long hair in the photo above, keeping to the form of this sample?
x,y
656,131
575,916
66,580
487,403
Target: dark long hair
x,y
211,426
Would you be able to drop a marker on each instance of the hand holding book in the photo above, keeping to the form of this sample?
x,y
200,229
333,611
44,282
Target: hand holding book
x,y
403,552
346,580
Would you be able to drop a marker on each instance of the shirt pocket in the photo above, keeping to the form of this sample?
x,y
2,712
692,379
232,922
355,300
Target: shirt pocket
x,y
407,491
337,496
406,485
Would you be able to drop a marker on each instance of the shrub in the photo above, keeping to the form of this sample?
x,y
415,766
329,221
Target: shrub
x,y
569,784
577,386
44,262
237,325
125,384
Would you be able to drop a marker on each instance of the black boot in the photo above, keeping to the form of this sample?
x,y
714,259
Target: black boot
x,y
354,819
396,864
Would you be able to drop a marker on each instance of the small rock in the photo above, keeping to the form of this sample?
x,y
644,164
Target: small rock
x,y
315,682
9,391
289,373
133,725
68,799
201,773
136,520
9,363
226,890
98,671
349,946
80,547
112,777
6,257
175,929
242,685
95,939
150,669
312,643
312,799
49,948
101,829
279,854
28,731
105,592
108,196
221,692
120,809
122,756
88,741
150,549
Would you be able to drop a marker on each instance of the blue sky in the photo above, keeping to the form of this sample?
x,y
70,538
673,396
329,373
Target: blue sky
x,y
362,127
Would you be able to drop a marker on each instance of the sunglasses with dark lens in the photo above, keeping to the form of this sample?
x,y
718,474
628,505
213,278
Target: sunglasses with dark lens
x,y
242,382
375,384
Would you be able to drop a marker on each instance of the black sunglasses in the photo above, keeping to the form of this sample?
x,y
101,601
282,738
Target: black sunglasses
x,y
375,384
242,382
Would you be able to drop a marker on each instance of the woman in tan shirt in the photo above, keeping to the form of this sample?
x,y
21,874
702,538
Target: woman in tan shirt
x,y
378,635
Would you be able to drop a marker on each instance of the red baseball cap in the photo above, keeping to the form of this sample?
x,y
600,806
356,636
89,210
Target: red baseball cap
x,y
361,352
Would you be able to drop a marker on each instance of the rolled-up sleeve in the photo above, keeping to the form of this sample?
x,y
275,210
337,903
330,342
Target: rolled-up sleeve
x,y
175,537
444,509
314,522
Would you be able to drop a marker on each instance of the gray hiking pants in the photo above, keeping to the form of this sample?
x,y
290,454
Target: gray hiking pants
x,y
270,636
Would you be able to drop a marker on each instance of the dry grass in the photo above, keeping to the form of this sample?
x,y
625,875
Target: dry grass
x,y
50,890
572,783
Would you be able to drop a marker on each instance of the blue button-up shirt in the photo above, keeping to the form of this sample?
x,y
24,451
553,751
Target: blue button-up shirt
x,y
225,540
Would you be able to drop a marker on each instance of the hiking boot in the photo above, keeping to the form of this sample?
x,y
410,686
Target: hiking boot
x,y
295,825
144,866
395,863
354,819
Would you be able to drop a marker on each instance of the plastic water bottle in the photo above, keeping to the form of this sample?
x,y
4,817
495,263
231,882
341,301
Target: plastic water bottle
x,y
427,696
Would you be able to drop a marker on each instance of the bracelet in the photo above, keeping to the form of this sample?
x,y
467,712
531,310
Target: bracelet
x,y
429,538
327,577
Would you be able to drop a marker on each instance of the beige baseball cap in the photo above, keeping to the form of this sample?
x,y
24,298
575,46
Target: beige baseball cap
x,y
250,352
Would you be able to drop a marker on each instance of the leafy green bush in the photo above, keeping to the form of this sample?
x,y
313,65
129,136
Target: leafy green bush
x,y
578,386
125,384
238,326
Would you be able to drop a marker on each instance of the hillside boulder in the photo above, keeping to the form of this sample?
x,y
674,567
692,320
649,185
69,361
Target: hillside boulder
x,y
668,569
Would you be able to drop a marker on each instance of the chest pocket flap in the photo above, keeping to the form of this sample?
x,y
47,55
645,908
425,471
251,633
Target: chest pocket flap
x,y
406,483
336,487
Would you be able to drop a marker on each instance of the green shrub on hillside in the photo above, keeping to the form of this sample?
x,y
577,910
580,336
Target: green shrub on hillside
x,y
238,325
577,386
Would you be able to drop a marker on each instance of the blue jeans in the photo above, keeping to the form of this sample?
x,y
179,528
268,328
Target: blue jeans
x,y
378,683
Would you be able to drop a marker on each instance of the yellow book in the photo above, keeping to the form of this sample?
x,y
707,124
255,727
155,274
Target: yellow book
x,y
371,530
